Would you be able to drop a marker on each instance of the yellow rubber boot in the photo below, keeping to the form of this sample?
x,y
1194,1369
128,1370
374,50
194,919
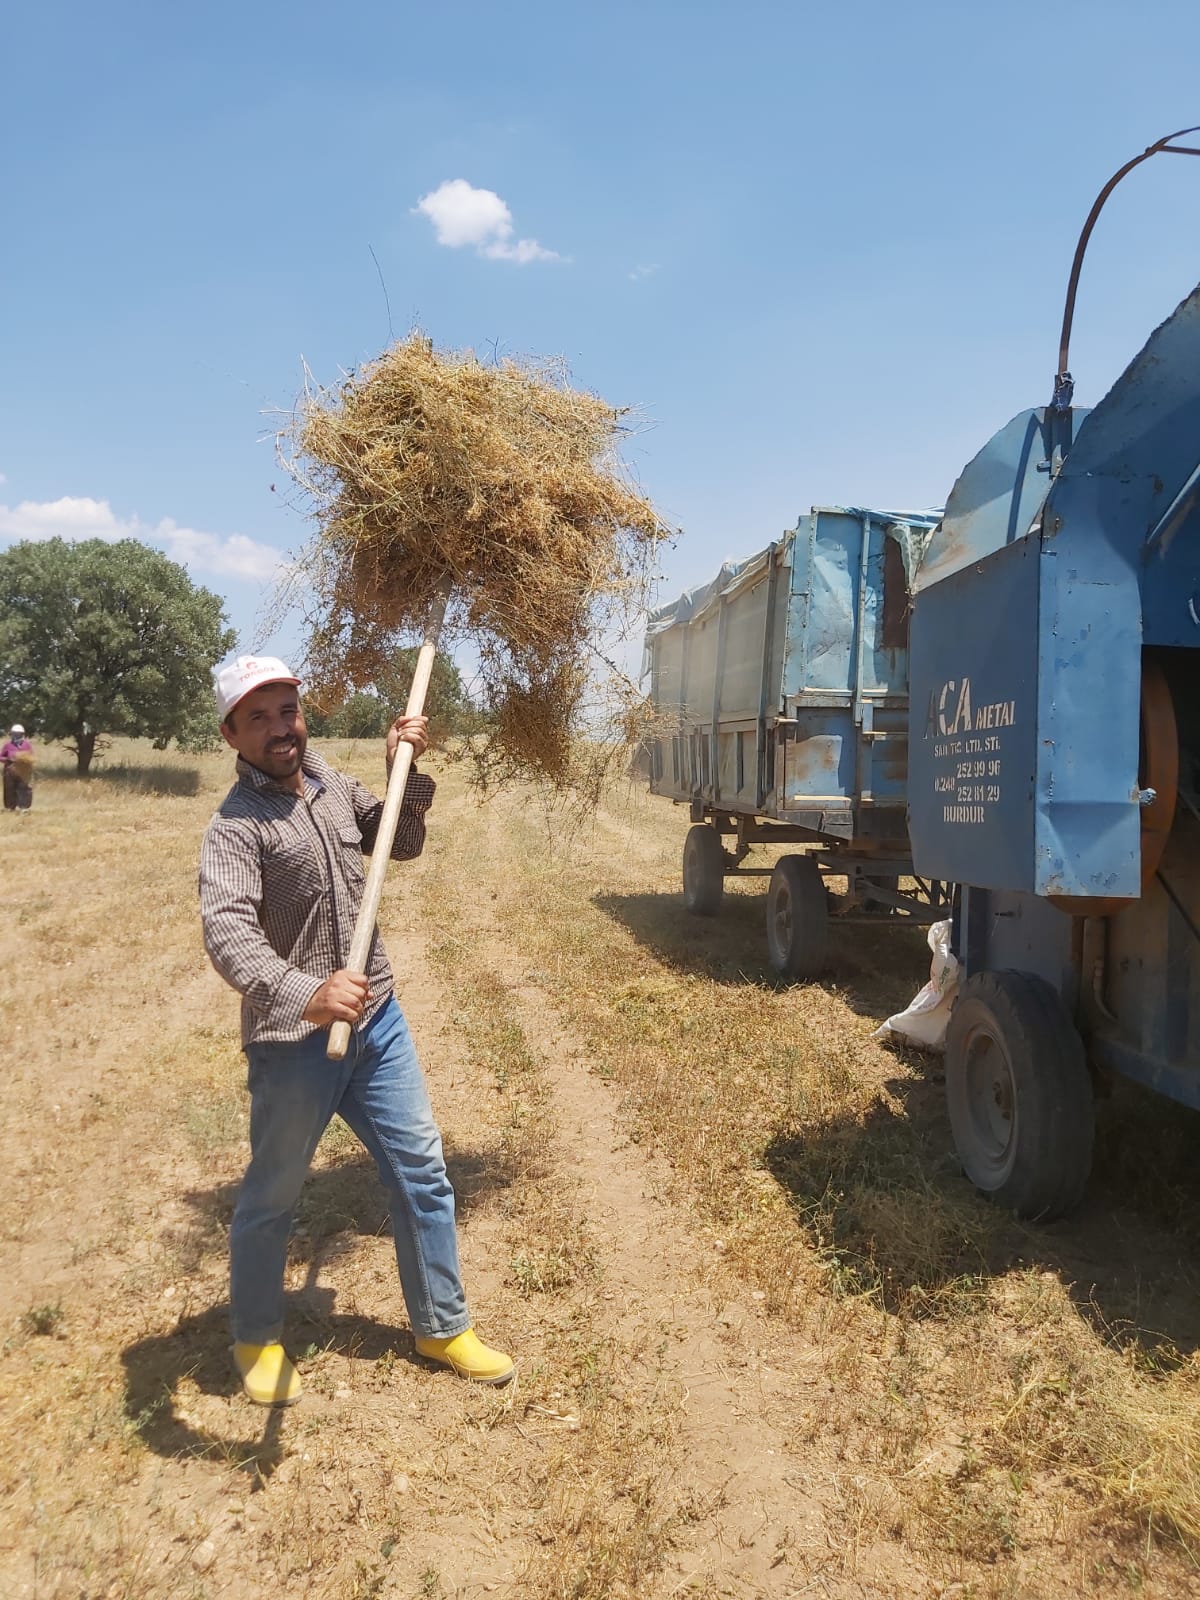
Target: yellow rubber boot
x,y
268,1377
469,1357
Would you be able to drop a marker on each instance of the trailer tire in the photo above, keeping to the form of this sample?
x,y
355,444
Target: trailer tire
x,y
1019,1095
797,918
703,870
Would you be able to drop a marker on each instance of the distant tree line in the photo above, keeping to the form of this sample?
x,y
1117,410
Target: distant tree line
x,y
369,713
101,638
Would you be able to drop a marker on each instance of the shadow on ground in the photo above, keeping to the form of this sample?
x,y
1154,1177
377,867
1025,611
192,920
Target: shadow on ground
x,y
182,782
876,967
886,1203
883,1198
198,1349
345,1201
339,1204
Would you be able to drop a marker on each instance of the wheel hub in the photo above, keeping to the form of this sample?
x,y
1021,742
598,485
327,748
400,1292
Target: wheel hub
x,y
991,1099
783,918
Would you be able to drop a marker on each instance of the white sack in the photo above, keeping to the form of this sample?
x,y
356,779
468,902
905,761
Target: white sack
x,y
923,1021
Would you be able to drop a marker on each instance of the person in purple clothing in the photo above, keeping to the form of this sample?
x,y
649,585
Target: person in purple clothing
x,y
16,756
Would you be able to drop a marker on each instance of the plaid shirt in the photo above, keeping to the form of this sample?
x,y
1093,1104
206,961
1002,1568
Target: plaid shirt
x,y
281,881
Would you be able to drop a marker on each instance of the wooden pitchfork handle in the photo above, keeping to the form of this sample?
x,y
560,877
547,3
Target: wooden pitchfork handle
x,y
368,911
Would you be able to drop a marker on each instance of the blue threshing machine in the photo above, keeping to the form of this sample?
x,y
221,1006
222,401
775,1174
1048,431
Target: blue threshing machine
x,y
1018,682
1054,760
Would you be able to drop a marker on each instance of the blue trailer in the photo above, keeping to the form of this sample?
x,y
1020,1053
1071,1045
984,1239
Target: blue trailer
x,y
780,692
1054,762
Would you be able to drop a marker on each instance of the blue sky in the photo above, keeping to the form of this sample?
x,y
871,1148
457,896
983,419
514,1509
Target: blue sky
x,y
823,248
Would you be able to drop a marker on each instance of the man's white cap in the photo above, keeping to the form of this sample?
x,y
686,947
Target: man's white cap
x,y
245,674
17,728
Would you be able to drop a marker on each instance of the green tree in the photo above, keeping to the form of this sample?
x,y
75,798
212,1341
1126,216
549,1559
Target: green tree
x,y
363,716
100,638
449,710
368,713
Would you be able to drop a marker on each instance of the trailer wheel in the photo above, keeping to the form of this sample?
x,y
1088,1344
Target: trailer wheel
x,y
797,918
1019,1095
703,870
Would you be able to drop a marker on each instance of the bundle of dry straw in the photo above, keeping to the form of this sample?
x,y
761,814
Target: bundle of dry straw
x,y
426,464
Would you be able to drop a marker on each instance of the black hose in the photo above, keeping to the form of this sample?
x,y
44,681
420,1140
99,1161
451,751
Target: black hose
x,y
1064,384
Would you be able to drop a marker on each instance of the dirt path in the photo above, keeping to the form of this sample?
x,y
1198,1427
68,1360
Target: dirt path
x,y
754,1517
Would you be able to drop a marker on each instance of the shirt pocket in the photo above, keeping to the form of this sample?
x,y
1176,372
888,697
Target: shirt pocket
x,y
350,843
293,872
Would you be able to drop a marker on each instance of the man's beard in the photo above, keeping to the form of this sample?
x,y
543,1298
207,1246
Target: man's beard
x,y
285,761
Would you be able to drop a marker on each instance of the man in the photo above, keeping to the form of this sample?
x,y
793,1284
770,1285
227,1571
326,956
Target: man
x,y
281,880
16,757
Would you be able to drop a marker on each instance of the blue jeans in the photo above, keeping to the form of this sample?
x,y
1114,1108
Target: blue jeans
x,y
379,1091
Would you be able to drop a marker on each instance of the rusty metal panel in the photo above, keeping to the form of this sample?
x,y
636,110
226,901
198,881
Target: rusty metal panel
x,y
836,640
797,632
816,764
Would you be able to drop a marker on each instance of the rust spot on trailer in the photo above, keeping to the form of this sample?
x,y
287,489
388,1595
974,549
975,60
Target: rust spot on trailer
x,y
814,757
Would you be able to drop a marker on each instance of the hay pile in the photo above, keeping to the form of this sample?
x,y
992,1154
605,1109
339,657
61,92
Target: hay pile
x,y
426,463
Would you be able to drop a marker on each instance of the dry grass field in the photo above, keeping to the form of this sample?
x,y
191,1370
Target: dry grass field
x,y
769,1342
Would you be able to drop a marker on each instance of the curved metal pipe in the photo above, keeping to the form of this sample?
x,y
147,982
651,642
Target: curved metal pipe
x,y
1064,385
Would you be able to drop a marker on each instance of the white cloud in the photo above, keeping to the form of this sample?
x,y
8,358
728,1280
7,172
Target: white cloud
x,y
647,271
68,518
80,517
524,250
463,215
